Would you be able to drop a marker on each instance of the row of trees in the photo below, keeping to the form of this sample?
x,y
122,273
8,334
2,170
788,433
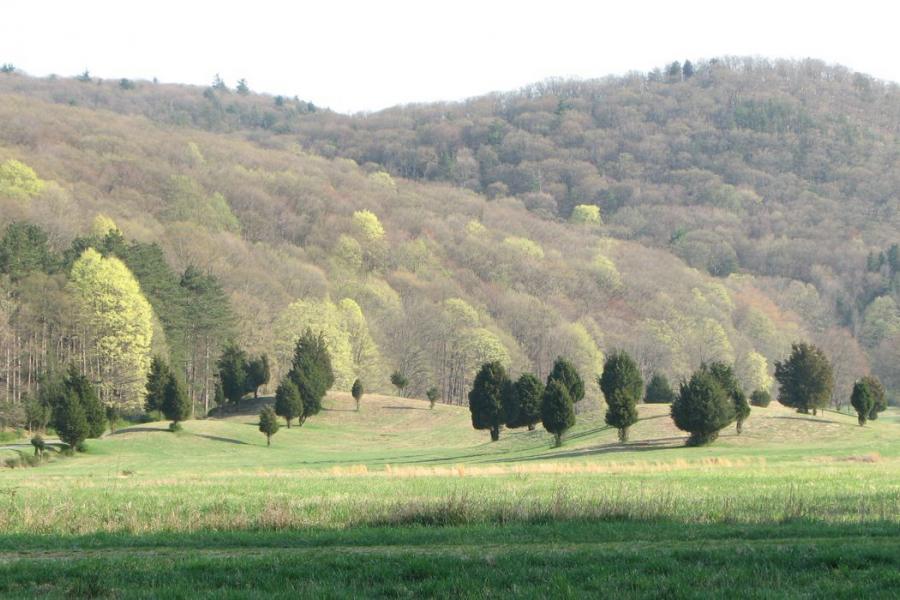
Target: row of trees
x,y
709,400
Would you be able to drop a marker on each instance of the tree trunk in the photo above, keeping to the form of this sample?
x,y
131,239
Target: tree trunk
x,y
531,427
495,433
623,435
268,440
558,437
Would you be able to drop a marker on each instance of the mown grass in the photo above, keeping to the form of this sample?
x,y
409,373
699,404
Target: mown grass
x,y
402,501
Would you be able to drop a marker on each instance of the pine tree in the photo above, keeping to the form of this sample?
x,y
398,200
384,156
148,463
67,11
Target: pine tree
x,y
879,399
69,419
760,398
357,392
485,398
156,384
399,381
288,403
258,374
176,405
311,372
622,387
703,407
566,373
432,394
557,410
863,400
659,391
94,411
233,373
268,423
805,379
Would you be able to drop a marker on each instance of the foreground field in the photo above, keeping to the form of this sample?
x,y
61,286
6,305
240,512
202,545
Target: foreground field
x,y
347,506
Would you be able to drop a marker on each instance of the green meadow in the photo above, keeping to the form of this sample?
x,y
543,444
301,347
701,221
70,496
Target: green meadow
x,y
398,500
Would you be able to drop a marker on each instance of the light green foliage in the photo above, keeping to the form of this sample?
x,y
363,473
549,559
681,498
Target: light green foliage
x,y
188,201
482,345
753,372
364,351
475,228
524,246
460,313
336,325
586,214
121,322
194,155
606,272
349,252
19,181
383,179
367,226
102,225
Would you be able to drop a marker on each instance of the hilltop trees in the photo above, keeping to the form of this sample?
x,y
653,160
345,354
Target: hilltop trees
x,y
486,398
805,379
659,391
622,387
268,423
703,407
288,403
557,410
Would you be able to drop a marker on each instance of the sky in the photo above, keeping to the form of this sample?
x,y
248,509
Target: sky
x,y
362,56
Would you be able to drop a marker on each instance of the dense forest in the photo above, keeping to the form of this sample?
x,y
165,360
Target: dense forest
x,y
716,211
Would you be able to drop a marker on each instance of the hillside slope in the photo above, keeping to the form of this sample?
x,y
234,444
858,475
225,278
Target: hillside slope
x,y
456,278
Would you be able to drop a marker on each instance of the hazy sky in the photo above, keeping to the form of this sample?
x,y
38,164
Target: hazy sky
x,y
369,55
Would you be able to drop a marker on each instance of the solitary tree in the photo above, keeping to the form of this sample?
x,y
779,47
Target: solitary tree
x,y
176,405
288,403
357,392
565,372
659,391
233,373
485,399
432,394
257,374
399,381
760,398
557,410
622,387
703,408
741,410
805,379
268,423
863,400
878,396
523,407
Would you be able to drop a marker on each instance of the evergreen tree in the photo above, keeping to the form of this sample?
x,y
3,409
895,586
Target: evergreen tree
x,y
94,411
622,387
741,410
805,379
311,372
522,404
258,374
485,398
687,71
879,399
659,391
724,374
357,392
863,400
566,373
703,407
25,249
156,384
288,403
69,420
399,381
760,398
176,405
242,88
233,373
557,410
432,394
268,423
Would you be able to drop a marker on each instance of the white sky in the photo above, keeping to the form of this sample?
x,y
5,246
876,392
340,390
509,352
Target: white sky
x,y
357,55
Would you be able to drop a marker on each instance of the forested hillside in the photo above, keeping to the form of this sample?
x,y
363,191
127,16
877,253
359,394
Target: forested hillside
x,y
742,206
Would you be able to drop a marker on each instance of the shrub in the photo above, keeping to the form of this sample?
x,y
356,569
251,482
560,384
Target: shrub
x,y
659,391
432,394
357,392
761,398
863,400
288,402
268,423
399,381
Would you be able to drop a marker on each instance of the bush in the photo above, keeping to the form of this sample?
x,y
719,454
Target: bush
x,y
432,394
760,398
175,427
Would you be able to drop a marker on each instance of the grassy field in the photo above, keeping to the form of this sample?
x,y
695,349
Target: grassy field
x,y
401,501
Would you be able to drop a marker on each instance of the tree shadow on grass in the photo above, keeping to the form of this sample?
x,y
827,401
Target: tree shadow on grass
x,y
217,438
139,430
811,419
394,407
611,448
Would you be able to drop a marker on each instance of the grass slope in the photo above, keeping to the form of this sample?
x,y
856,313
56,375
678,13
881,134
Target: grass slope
x,y
347,505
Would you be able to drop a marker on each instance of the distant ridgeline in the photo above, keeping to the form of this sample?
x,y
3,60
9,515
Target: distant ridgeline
x,y
716,212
